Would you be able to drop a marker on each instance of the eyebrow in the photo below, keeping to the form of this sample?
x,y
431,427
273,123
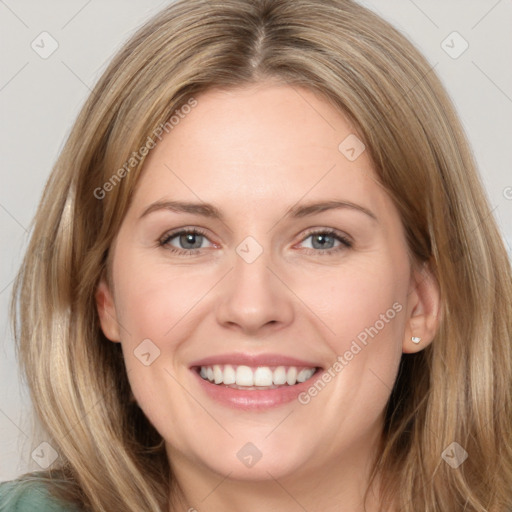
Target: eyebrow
x,y
296,211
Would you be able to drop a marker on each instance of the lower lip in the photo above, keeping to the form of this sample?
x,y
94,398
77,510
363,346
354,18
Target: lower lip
x,y
256,398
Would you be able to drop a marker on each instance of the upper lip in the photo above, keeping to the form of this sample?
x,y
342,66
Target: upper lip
x,y
254,360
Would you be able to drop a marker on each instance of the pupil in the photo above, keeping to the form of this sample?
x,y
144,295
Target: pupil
x,y
189,239
322,239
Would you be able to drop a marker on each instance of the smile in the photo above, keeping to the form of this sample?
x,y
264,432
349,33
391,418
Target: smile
x,y
254,382
255,378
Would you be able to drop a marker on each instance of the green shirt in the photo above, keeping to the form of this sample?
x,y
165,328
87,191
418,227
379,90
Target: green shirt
x,y
18,496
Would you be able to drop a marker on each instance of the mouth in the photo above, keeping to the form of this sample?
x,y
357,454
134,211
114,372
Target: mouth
x,y
258,378
255,378
254,382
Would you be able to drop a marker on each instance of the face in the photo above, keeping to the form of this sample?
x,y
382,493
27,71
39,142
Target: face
x,y
263,290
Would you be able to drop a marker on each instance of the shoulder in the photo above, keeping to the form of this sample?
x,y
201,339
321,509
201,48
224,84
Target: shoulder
x,y
29,496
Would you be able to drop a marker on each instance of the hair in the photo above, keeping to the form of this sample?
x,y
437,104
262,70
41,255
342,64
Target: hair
x,y
458,389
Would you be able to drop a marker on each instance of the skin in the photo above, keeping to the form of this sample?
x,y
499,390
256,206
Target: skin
x,y
253,152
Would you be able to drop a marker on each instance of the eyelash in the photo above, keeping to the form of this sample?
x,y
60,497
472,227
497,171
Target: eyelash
x,y
345,242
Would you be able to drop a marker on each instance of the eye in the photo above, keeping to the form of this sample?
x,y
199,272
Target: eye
x,y
191,241
184,241
324,241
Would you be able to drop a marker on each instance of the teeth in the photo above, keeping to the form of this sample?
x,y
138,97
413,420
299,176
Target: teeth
x,y
279,376
217,374
244,376
304,375
291,376
229,375
262,376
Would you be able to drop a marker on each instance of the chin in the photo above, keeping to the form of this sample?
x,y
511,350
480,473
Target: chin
x,y
260,460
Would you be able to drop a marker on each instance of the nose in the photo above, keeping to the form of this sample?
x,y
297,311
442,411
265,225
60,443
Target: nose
x,y
254,299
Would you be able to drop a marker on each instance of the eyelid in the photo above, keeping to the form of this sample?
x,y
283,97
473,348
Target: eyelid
x,y
330,231
345,240
168,235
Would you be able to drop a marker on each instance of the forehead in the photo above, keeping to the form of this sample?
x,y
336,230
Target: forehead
x,y
260,144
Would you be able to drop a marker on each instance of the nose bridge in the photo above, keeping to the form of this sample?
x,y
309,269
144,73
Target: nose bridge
x,y
251,274
252,297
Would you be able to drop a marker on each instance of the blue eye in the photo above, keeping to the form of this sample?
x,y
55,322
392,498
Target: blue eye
x,y
190,241
323,241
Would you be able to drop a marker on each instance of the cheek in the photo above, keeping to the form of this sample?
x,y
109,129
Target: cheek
x,y
156,298
363,316
359,301
155,305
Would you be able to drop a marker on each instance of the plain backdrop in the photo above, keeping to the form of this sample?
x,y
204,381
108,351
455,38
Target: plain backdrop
x,y
40,98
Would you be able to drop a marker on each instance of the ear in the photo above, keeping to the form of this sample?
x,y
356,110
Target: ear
x,y
107,311
423,310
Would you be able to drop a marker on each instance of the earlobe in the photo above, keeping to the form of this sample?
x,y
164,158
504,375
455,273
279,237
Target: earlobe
x,y
106,311
423,310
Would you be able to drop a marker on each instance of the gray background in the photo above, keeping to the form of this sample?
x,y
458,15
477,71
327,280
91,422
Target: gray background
x,y
40,98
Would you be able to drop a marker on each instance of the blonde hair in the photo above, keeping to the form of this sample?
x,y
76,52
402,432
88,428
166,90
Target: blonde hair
x,y
456,390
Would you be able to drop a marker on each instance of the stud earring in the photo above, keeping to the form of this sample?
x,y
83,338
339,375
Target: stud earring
x,y
415,339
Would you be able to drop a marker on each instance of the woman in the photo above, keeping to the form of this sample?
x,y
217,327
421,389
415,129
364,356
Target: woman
x,y
270,279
